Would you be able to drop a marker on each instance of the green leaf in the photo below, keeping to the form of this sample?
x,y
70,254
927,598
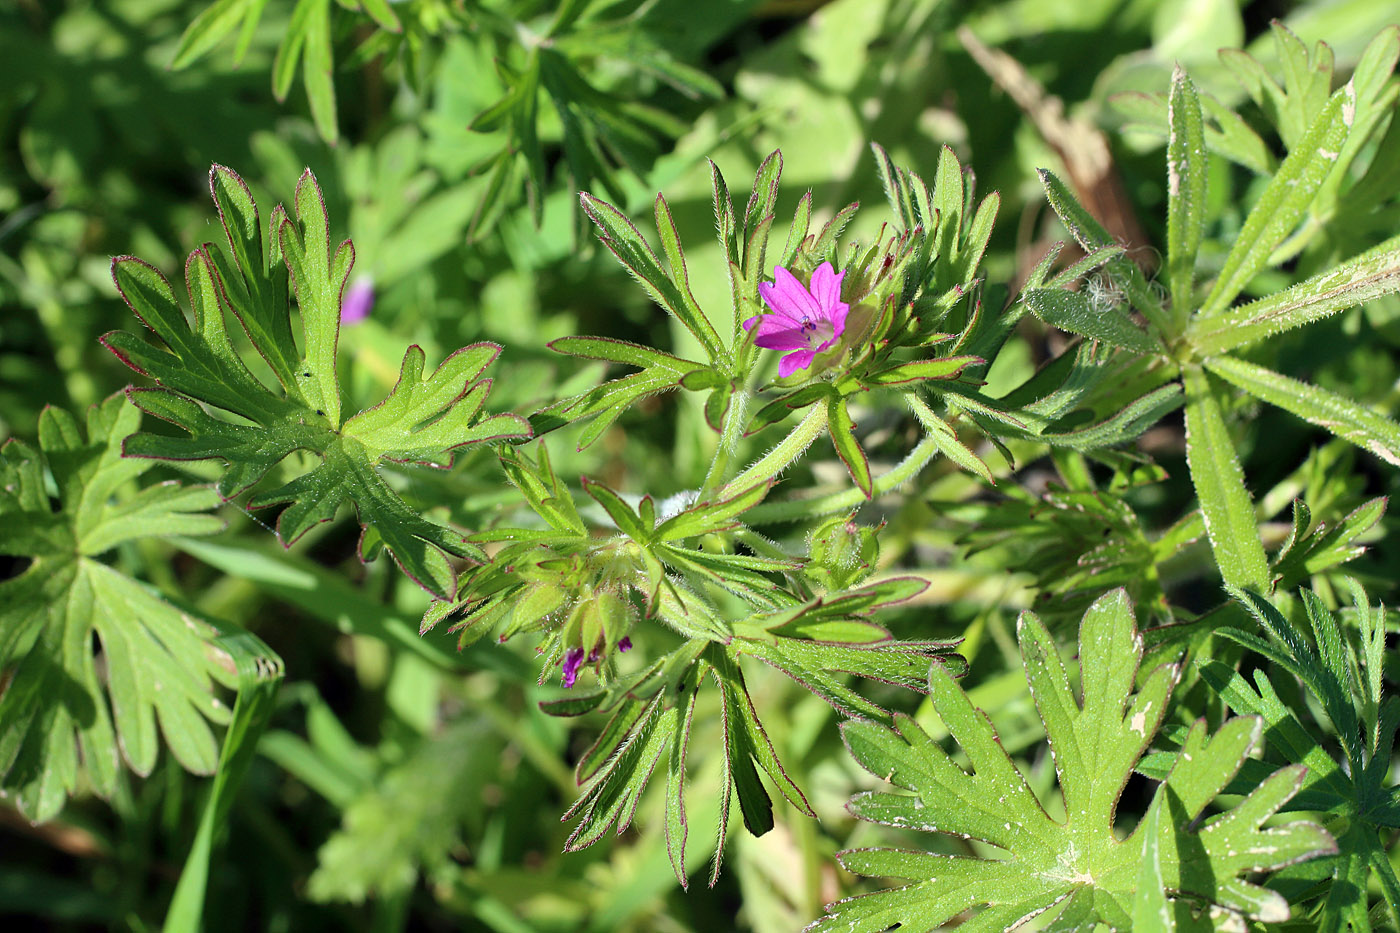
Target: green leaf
x,y
1365,278
317,71
797,233
676,819
1325,670
196,361
625,517
1283,202
1326,547
1091,235
831,635
1307,81
660,372
542,489
782,406
1187,167
841,648
423,420
1152,910
1219,482
1236,139
1072,311
254,279
975,238
612,796
1079,870
383,14
1357,792
410,818
612,350
623,241
655,704
726,229
284,64
944,221
746,744
259,674
843,438
1284,734
66,708
898,190
605,403
1231,137
758,218
318,280
1125,425
945,439
675,260
921,371
1341,416
209,28
705,517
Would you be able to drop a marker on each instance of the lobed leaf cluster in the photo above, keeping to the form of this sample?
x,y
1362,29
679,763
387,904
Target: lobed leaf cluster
x,y
663,612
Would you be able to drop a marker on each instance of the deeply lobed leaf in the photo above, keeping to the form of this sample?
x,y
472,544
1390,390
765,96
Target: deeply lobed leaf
x,y
423,420
65,710
1077,867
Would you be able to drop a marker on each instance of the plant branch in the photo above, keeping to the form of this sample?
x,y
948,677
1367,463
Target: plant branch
x,y
730,433
906,470
783,455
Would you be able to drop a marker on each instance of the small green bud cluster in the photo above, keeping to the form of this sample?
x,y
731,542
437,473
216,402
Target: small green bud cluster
x,y
842,553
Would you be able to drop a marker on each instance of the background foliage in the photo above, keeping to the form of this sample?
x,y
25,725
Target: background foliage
x,y
369,777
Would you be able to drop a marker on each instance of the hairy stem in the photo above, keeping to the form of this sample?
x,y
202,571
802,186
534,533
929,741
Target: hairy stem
x,y
783,455
907,469
731,430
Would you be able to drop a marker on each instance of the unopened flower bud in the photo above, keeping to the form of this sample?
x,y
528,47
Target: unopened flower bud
x,y
842,553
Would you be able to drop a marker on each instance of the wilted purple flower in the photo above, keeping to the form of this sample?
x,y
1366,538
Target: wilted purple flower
x,y
573,659
358,301
803,320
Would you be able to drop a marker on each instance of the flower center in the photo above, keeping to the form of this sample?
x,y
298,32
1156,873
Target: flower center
x,y
816,333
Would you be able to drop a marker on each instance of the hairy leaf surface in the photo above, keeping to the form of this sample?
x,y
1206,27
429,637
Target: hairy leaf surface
x,y
1077,867
66,710
425,419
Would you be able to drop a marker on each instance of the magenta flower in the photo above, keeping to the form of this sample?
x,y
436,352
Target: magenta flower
x,y
573,660
804,321
359,300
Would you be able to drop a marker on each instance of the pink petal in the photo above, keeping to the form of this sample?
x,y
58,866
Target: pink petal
x,y
787,297
797,359
573,659
358,301
838,322
826,287
782,336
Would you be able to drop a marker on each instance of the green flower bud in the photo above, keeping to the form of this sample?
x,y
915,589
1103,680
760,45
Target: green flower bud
x,y
534,609
842,553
